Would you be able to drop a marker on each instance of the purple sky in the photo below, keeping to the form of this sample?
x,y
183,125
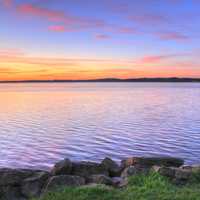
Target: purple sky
x,y
48,39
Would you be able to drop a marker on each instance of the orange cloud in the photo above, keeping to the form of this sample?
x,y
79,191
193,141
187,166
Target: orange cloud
x,y
15,65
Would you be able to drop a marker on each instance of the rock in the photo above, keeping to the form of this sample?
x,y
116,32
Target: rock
x,y
56,182
182,176
150,161
178,175
111,166
14,176
32,186
86,169
100,179
164,171
192,168
129,171
64,167
119,182
11,193
95,185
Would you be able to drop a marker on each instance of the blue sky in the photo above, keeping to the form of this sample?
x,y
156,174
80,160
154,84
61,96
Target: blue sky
x,y
92,39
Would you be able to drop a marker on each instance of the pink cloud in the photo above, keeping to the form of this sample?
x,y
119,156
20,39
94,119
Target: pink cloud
x,y
127,30
10,53
57,28
172,36
71,22
148,18
7,3
102,36
52,15
157,58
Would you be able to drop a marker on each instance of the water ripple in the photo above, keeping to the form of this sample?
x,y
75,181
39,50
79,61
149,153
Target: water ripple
x,y
43,123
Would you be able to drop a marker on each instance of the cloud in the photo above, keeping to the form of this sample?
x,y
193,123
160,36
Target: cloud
x,y
6,70
7,3
30,9
102,36
11,71
57,28
157,58
172,36
11,53
71,22
127,30
148,19
18,57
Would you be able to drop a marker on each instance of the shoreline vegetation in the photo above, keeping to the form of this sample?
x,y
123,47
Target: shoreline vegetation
x,y
110,80
136,178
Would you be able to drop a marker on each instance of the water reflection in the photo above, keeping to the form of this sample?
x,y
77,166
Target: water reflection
x,y
43,123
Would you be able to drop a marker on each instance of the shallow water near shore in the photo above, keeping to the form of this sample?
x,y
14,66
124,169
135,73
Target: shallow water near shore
x,y
43,123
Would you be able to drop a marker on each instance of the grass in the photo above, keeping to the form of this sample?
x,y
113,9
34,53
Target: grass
x,y
140,187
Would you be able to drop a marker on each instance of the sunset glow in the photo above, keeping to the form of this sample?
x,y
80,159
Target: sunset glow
x,y
75,39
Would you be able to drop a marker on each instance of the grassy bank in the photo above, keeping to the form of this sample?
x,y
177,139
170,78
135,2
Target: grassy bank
x,y
141,187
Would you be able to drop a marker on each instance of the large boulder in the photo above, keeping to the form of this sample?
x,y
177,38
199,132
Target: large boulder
x,y
119,182
192,168
129,171
150,161
11,193
111,166
32,186
14,176
100,179
177,175
165,171
56,182
64,167
182,176
86,169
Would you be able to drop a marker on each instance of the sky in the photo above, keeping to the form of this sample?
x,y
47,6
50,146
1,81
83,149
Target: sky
x,y
89,39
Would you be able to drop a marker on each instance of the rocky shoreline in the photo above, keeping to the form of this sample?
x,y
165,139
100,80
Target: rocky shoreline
x,y
24,184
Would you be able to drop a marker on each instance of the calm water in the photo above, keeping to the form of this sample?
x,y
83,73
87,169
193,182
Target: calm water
x,y
43,123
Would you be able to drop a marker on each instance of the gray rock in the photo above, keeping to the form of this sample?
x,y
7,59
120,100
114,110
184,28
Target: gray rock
x,y
100,179
55,182
64,167
178,175
129,171
14,176
150,161
112,167
119,181
95,185
11,193
32,186
192,168
165,171
86,169
182,175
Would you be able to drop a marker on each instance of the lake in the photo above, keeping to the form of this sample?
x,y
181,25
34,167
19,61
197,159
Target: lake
x,y
42,123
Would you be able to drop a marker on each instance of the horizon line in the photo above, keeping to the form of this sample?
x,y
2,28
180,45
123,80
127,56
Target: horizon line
x,y
144,79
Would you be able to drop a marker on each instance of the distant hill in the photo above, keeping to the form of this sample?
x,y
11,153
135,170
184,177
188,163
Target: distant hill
x,y
172,79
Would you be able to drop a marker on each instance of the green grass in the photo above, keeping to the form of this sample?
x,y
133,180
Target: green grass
x,y
141,187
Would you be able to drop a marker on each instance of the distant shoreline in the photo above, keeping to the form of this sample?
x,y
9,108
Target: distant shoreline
x,y
112,80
